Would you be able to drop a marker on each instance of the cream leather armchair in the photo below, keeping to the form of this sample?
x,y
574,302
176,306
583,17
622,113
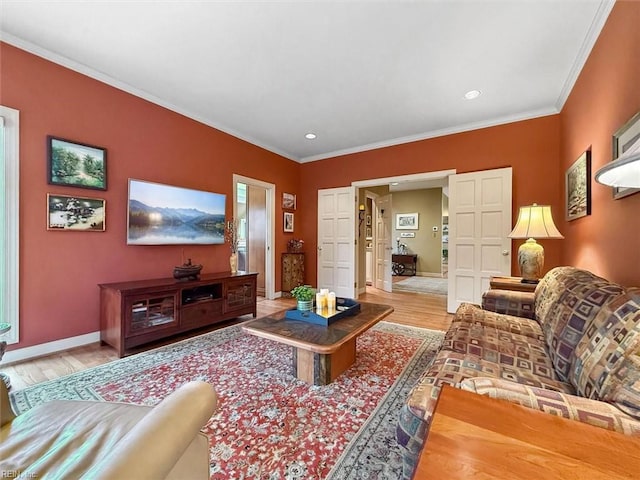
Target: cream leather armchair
x,y
109,441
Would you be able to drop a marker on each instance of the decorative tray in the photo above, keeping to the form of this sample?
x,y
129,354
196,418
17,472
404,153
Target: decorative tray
x,y
344,307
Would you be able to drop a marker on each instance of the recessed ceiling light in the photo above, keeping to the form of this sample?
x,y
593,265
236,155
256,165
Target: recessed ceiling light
x,y
310,136
394,183
471,94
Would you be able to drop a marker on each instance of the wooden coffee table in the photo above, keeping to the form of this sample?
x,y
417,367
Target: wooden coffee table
x,y
320,353
474,436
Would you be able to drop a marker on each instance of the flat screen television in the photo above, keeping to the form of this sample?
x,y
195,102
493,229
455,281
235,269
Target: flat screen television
x,y
166,215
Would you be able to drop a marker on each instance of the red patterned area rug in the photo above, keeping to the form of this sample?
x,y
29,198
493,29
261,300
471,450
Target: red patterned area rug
x,y
269,425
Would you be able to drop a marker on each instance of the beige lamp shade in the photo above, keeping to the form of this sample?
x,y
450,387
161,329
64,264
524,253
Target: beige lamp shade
x,y
534,221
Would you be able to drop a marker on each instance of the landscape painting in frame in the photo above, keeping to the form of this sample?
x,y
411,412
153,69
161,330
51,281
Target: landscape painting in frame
x,y
76,164
578,187
407,221
80,214
167,215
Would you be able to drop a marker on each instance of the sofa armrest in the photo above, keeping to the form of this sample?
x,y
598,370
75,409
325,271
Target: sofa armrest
x,y
156,443
518,304
593,412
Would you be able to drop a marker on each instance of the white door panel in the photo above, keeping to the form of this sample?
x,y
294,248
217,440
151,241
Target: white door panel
x,y
336,240
479,225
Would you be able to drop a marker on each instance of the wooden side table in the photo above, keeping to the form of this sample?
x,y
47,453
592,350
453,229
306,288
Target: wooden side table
x,y
511,283
474,436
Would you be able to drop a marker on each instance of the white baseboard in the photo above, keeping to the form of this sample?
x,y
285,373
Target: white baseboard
x,y
429,274
28,353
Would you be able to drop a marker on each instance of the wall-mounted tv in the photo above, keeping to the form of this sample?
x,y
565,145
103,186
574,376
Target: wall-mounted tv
x,y
165,215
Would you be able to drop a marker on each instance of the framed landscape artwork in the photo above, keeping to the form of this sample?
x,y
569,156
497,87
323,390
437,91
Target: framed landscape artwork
x,y
76,164
626,136
407,221
578,187
76,214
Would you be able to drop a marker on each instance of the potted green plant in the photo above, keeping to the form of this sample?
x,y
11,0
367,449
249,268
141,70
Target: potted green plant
x,y
304,295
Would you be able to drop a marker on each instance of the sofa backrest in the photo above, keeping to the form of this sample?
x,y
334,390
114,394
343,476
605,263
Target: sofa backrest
x,y
567,300
606,363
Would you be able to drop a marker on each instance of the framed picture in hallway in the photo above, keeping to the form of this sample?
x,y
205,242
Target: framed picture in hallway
x,y
288,222
407,221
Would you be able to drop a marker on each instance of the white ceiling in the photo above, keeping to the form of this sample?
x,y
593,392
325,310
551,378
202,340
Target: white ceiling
x,y
359,74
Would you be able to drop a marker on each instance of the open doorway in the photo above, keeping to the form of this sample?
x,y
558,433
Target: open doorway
x,y
417,246
253,208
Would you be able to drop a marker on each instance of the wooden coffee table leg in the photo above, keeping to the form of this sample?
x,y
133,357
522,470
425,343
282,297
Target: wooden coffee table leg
x,y
322,369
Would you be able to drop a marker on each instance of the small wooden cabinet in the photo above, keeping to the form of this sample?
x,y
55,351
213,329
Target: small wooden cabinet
x,y
143,311
292,271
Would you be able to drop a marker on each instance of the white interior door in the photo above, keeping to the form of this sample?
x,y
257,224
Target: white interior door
x,y
479,222
337,240
383,243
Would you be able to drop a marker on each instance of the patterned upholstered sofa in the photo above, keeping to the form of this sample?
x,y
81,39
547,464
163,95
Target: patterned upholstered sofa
x,y
571,349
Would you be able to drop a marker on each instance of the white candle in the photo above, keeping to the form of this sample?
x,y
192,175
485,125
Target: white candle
x,y
331,300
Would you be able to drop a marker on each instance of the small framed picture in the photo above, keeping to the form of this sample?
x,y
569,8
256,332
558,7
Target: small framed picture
x,y
75,164
79,214
289,201
368,220
369,233
578,187
407,221
288,222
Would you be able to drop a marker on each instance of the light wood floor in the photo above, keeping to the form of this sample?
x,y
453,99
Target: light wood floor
x,y
419,310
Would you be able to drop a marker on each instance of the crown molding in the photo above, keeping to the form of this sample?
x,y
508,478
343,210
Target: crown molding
x,y
433,134
585,50
125,87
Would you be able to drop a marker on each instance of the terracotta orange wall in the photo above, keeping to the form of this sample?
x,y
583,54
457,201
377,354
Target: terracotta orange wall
x,y
60,271
531,147
606,95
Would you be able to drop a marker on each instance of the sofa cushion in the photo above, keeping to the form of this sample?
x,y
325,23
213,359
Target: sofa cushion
x,y
610,338
566,304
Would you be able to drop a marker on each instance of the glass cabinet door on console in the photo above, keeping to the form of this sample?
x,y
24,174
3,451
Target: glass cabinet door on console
x,y
240,293
150,313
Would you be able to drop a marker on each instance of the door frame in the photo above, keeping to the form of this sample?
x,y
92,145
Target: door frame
x,y
414,177
269,254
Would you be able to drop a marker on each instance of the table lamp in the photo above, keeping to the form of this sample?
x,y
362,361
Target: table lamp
x,y
534,221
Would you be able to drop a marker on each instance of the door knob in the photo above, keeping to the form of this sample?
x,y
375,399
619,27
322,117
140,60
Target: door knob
x,y
505,252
